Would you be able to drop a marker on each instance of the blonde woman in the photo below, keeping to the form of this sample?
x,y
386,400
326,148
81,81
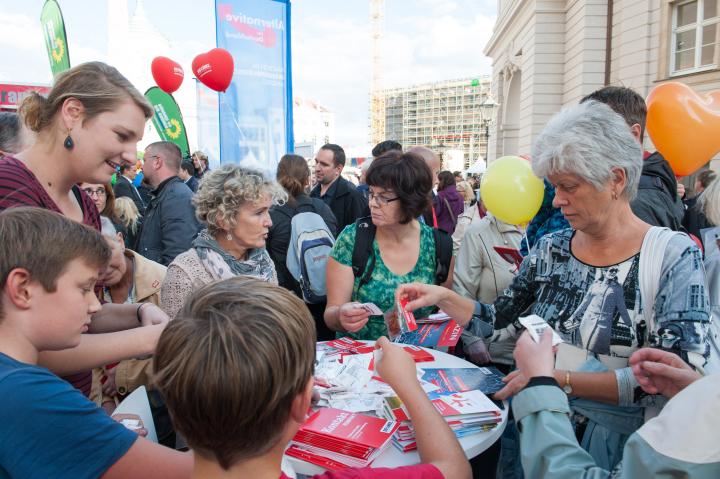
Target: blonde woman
x,y
129,218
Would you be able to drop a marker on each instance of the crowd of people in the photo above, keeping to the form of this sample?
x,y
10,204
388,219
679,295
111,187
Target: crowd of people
x,y
187,284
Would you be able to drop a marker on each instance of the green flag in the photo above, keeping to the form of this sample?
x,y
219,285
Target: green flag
x,y
167,119
53,27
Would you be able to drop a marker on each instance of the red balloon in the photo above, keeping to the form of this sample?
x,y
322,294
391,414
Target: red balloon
x,y
214,68
168,74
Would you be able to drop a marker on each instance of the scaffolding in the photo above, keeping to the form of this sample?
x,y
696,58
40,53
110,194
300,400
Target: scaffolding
x,y
447,115
377,99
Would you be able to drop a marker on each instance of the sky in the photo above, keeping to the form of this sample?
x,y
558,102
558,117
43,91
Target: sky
x,y
425,40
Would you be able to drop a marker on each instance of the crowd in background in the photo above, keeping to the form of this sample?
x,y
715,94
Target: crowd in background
x,y
618,261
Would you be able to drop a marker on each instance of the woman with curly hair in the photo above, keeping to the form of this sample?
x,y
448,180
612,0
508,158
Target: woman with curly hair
x,y
234,204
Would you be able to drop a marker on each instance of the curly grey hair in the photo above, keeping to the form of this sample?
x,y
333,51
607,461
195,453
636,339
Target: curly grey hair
x,y
589,140
224,190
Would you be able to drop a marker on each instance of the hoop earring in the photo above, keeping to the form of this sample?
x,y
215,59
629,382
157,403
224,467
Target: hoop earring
x,y
69,144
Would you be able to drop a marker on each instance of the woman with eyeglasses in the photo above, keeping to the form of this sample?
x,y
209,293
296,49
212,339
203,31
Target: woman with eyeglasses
x,y
403,248
103,197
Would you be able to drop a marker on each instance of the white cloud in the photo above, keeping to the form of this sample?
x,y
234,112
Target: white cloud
x,y
437,40
24,55
331,64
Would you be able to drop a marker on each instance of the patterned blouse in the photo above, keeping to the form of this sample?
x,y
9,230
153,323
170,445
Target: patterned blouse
x,y
383,282
599,309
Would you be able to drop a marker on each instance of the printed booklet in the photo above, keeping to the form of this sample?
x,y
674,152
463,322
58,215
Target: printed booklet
x,y
466,413
453,380
432,335
345,438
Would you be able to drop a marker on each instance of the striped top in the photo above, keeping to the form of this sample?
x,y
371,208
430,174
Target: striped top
x,y
20,187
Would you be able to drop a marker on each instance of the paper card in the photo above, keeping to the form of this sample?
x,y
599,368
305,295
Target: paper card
x,y
372,308
536,325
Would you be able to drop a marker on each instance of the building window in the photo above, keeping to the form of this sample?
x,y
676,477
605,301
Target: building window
x,y
694,36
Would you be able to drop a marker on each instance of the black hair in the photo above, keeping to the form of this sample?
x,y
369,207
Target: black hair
x,y
338,153
626,102
445,179
385,146
188,166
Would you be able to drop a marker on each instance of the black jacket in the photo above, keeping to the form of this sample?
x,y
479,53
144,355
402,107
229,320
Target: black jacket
x,y
279,234
193,184
123,187
169,225
657,202
347,204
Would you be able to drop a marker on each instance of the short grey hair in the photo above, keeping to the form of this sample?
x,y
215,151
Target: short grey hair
x,y
589,140
224,190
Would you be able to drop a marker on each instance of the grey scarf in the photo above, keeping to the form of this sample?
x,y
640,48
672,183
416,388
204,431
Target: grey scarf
x,y
222,265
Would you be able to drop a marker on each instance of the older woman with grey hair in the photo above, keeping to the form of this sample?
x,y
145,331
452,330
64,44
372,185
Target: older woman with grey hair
x,y
234,203
585,281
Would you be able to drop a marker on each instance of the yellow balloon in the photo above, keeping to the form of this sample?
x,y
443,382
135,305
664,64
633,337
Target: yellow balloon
x,y
510,190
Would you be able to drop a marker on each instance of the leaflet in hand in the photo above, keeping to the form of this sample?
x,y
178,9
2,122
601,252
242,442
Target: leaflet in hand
x,y
485,379
399,321
536,325
432,335
371,308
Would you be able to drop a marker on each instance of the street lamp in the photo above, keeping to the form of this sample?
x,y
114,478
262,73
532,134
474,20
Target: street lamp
x,y
487,112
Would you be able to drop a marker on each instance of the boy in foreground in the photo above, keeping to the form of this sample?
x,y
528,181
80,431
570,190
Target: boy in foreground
x,y
49,265
236,370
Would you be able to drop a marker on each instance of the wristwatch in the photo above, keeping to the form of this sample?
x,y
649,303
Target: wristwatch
x,y
567,387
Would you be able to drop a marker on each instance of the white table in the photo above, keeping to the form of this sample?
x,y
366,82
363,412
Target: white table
x,y
472,445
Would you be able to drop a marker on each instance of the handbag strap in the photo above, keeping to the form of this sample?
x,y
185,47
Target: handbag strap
x,y
447,204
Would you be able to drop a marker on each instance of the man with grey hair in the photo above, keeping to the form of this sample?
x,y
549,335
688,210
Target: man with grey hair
x,y
170,225
14,135
433,161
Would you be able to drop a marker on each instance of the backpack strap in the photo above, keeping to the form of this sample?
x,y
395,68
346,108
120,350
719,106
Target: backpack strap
x,y
652,253
363,250
443,255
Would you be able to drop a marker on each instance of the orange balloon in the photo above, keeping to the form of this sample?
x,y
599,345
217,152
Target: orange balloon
x,y
684,125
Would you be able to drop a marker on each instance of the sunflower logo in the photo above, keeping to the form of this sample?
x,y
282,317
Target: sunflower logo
x,y
59,51
175,131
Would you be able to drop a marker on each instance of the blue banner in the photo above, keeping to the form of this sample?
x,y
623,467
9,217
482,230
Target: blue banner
x,y
256,111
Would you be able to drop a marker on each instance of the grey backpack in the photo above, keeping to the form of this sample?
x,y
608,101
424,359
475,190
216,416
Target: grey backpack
x,y
310,244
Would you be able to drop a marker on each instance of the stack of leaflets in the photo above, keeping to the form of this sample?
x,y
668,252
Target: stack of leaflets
x,y
466,413
336,439
432,335
455,380
339,348
344,346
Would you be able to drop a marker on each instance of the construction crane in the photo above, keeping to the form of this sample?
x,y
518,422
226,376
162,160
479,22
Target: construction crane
x,y
377,98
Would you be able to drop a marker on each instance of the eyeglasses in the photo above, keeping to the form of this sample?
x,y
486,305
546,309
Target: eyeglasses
x,y
381,200
98,192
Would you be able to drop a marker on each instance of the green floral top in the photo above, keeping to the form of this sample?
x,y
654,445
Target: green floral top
x,y
383,282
